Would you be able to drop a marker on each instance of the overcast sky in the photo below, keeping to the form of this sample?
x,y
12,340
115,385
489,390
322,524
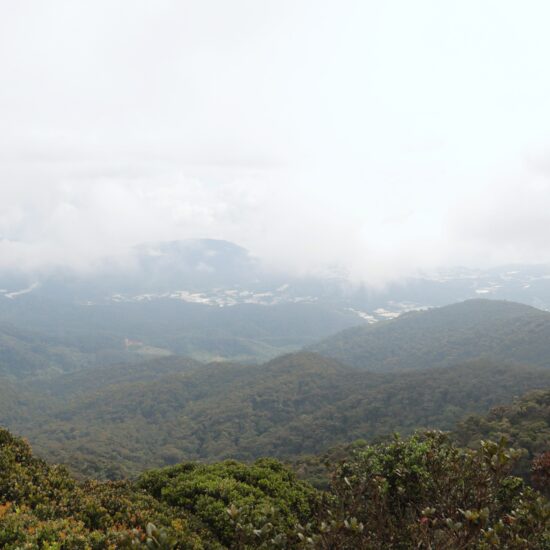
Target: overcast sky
x,y
382,136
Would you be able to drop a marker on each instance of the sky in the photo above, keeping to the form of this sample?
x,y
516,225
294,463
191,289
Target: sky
x,y
380,137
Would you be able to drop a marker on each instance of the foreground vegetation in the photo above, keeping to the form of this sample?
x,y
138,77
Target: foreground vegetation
x,y
422,492
525,424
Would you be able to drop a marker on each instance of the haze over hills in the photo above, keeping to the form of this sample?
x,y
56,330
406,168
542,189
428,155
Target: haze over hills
x,y
117,397
205,299
126,330
221,273
211,300
497,330
27,354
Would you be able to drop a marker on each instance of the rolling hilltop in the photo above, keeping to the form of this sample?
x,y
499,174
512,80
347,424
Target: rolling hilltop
x,y
496,330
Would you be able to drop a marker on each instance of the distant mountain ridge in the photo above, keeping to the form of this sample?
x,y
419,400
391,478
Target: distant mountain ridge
x,y
189,269
440,337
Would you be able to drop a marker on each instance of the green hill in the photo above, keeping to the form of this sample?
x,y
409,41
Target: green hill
x,y
496,330
43,507
28,354
25,353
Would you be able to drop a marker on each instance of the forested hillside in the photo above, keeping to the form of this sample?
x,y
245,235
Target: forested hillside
x,y
297,404
113,421
442,337
86,381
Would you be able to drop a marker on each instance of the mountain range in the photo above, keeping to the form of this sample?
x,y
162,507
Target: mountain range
x,y
426,369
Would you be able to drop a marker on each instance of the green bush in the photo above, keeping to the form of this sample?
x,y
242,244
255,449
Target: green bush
x,y
424,492
233,499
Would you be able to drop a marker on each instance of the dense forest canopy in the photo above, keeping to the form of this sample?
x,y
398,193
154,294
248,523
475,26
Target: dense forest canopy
x,y
297,404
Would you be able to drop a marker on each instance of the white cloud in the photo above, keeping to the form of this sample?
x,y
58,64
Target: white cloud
x,y
383,137
508,221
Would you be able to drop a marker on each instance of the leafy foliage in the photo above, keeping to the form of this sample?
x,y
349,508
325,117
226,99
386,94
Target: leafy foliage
x,y
422,492
426,493
540,472
41,506
220,493
525,424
